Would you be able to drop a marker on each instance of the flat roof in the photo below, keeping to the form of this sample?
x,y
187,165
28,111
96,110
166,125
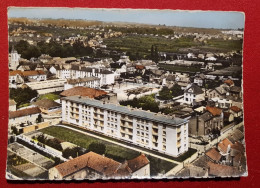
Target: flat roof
x,y
125,110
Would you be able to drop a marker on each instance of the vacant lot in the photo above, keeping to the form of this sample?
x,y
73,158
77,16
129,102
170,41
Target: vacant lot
x,y
113,151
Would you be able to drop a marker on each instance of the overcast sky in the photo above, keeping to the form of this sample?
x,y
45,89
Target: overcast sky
x,y
203,19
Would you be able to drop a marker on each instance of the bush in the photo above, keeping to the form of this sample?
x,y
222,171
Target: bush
x,y
97,147
72,152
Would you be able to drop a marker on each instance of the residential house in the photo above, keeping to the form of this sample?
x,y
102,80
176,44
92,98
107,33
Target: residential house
x,y
236,111
25,116
33,76
193,95
48,106
15,77
94,166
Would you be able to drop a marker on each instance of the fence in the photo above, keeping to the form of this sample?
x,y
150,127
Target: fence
x,y
35,127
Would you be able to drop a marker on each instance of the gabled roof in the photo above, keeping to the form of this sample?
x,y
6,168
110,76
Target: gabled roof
x,y
33,73
229,82
206,116
235,109
15,72
24,112
83,91
138,162
98,163
223,145
221,170
214,154
194,89
46,103
214,110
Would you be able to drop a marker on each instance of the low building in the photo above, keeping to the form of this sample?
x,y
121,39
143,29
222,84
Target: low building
x,y
48,86
153,131
48,106
33,76
91,82
94,166
193,95
25,116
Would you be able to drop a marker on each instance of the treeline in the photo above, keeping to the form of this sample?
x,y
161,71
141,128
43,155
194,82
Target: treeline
x,y
142,30
54,49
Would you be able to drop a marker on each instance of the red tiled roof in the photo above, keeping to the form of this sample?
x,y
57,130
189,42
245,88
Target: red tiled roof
x,y
138,162
83,91
92,160
139,67
221,170
15,72
235,109
33,73
223,145
238,146
229,82
24,112
214,110
214,154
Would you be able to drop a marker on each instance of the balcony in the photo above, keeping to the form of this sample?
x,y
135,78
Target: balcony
x,y
178,144
155,132
178,130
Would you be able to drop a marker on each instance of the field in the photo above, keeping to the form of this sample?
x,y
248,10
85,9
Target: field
x,y
50,96
179,68
113,151
142,44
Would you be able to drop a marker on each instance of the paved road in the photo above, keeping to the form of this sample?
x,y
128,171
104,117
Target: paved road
x,y
120,144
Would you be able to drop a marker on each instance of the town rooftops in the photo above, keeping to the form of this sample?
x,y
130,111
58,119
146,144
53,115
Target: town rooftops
x,y
46,103
83,91
194,89
125,110
15,72
214,110
223,145
80,80
235,89
33,73
206,116
214,154
229,82
138,162
221,170
24,112
99,163
235,109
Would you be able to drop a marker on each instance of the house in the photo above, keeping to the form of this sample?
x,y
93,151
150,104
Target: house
x,y
220,170
193,95
209,121
25,116
221,92
213,155
33,76
228,117
91,82
12,105
221,103
48,106
235,92
94,166
15,77
237,112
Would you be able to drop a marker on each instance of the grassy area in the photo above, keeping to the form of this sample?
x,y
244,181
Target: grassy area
x,y
24,105
179,68
113,151
50,96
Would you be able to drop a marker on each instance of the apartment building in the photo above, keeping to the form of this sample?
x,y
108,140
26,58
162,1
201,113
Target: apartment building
x,y
146,129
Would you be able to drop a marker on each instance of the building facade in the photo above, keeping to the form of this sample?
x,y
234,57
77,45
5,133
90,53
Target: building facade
x,y
153,131
92,82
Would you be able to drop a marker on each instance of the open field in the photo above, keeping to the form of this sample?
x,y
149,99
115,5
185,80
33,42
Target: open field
x,y
179,68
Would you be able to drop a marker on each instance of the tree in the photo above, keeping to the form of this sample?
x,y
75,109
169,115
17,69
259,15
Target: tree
x,y
22,96
176,90
165,94
97,147
72,152
14,130
39,118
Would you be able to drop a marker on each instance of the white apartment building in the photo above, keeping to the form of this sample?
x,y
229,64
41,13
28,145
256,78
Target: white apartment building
x,y
106,77
91,82
153,131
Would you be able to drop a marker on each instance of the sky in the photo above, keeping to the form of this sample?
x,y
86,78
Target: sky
x,y
202,19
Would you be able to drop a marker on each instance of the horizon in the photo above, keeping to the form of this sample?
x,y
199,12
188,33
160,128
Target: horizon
x,y
170,18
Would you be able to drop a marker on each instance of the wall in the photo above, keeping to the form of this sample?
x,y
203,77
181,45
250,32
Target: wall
x,y
35,127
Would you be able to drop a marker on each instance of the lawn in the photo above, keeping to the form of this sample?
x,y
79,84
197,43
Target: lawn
x,y
50,96
113,151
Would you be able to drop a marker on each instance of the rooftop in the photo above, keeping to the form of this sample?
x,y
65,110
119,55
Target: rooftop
x,y
214,154
24,112
83,91
138,162
125,110
214,110
46,103
80,80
